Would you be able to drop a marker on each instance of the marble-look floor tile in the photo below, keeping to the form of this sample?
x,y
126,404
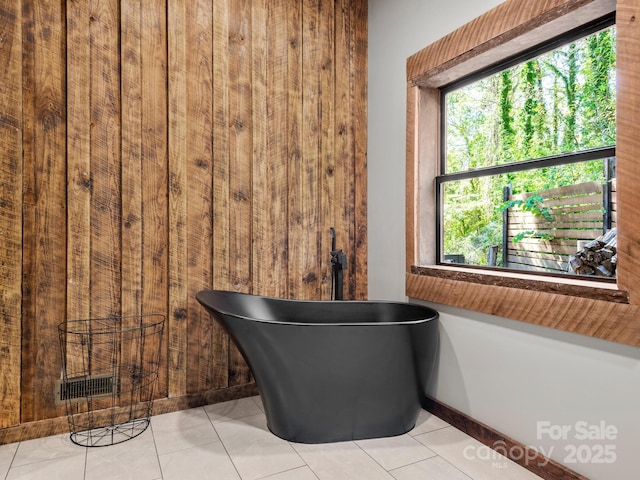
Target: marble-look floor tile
x,y
343,460
472,457
184,429
67,467
434,468
231,441
258,401
394,452
7,453
301,473
205,462
427,422
232,410
46,448
135,459
254,450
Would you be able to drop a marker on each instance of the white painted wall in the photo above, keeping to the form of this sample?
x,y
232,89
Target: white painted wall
x,y
397,29
507,374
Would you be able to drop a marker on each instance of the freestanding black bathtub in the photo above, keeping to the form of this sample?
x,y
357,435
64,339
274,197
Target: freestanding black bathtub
x,y
332,371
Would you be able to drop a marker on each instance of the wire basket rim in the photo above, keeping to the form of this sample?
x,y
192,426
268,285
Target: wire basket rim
x,y
69,326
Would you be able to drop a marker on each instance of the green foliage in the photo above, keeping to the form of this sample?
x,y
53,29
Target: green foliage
x,y
559,102
532,204
531,234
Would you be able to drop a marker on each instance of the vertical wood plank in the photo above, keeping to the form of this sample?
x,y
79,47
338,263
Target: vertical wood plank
x,y
426,108
359,68
294,145
221,172
269,230
304,175
221,166
276,218
627,115
329,195
132,179
240,163
344,169
106,173
240,143
78,175
11,211
199,194
411,176
262,260
78,161
177,88
154,171
105,159
44,248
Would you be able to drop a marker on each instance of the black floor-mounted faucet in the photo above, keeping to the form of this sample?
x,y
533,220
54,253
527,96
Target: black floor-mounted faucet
x,y
338,264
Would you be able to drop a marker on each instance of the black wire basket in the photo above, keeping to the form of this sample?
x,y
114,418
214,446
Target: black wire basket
x,y
109,375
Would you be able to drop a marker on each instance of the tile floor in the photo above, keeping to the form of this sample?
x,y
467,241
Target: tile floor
x,y
230,440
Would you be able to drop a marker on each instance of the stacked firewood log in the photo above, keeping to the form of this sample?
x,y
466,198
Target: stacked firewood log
x,y
597,257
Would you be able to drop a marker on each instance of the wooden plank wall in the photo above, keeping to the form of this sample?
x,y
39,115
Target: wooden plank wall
x,y
11,100
151,149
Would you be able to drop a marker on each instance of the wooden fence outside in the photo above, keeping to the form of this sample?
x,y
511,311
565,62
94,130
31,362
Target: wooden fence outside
x,y
580,212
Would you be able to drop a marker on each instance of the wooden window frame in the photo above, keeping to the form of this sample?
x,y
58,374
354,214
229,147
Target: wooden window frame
x,y
609,311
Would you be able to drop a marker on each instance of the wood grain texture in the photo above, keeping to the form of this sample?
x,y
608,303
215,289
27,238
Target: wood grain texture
x,y
78,173
78,161
240,135
411,208
304,210
176,327
503,31
628,145
517,23
423,147
154,170
11,211
539,283
262,259
328,195
106,159
199,104
221,188
170,147
359,29
132,179
44,207
613,321
274,221
105,106
343,209
294,144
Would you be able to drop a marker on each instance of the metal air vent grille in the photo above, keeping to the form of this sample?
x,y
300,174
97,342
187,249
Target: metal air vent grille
x,y
81,389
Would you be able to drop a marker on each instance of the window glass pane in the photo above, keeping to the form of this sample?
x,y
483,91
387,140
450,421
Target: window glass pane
x,y
537,220
561,101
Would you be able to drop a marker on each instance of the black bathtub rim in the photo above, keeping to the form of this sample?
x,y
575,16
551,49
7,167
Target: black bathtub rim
x,y
434,316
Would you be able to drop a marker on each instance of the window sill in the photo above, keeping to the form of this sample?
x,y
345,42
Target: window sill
x,y
586,288
601,312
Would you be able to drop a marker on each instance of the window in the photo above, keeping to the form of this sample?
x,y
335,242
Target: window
x,y
528,160
608,310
